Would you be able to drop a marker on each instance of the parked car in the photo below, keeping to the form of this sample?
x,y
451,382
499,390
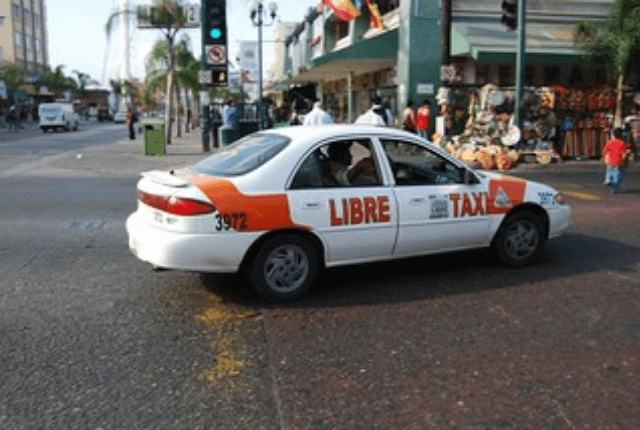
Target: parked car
x,y
279,205
104,115
57,116
120,117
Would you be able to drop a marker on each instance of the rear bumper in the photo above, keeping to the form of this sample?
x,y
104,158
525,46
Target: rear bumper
x,y
195,252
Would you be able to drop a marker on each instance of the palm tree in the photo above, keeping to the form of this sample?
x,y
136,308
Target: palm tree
x,y
614,44
186,71
57,81
170,15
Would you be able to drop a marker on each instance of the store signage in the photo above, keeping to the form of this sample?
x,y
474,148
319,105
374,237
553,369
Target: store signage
x,y
425,88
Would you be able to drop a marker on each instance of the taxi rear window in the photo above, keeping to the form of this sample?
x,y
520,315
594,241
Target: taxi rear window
x,y
243,156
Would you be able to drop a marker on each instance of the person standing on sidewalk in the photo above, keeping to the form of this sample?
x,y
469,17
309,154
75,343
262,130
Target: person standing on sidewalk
x,y
130,122
409,118
423,119
317,116
615,157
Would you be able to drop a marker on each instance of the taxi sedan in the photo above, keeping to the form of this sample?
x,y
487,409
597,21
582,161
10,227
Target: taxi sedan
x,y
280,205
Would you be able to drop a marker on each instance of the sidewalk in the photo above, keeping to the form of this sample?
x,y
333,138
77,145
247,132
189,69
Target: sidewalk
x,y
126,157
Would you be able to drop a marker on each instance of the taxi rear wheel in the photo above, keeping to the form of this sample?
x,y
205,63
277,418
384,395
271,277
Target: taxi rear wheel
x,y
284,268
520,239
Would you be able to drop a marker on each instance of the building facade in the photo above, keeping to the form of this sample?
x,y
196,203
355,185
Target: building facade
x,y
23,36
395,51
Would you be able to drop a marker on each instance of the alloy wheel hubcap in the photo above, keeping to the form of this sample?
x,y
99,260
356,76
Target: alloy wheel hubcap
x,y
521,240
286,268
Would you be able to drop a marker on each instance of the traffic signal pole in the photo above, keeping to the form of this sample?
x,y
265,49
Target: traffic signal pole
x,y
521,61
206,120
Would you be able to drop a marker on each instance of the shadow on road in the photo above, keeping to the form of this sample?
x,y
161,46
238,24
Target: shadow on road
x,y
441,275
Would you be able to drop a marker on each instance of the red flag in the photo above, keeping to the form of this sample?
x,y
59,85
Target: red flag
x,y
344,9
376,19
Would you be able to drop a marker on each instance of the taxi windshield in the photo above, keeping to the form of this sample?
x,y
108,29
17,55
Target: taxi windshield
x,y
243,156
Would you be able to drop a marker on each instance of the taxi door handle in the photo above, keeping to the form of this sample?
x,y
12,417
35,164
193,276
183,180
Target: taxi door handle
x,y
416,200
311,205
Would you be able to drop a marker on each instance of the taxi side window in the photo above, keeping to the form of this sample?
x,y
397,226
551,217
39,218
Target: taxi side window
x,y
414,164
309,174
343,163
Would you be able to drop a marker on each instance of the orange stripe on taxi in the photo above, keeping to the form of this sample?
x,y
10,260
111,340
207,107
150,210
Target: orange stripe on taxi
x,y
263,212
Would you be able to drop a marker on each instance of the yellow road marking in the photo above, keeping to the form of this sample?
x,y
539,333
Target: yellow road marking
x,y
580,195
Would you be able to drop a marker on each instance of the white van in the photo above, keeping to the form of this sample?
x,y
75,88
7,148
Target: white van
x,y
56,116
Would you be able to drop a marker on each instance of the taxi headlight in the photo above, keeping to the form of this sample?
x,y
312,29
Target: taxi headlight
x,y
561,199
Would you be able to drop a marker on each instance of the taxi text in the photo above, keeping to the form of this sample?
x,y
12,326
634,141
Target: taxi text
x,y
472,204
357,210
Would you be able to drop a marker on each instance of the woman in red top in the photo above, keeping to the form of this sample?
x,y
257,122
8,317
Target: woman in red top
x,y
423,119
615,157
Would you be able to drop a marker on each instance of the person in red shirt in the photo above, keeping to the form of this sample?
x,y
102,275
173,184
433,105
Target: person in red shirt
x,y
615,157
423,119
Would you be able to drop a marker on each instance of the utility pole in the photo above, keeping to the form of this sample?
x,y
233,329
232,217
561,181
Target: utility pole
x,y
521,61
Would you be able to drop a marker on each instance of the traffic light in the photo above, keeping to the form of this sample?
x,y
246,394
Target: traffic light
x,y
510,14
215,22
219,77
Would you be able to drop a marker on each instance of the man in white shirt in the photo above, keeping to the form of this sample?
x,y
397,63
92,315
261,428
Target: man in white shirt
x,y
317,116
377,115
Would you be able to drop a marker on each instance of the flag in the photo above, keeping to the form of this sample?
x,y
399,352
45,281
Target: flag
x,y
376,19
344,9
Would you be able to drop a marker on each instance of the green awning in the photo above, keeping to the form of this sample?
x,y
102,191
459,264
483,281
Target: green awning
x,y
364,56
546,43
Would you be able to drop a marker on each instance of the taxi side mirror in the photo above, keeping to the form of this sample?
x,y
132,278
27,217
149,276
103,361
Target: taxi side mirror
x,y
469,177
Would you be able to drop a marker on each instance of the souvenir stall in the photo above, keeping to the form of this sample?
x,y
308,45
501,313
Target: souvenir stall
x,y
586,120
479,124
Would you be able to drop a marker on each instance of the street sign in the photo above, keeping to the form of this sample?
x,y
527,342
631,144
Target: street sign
x,y
204,98
219,77
180,16
193,15
216,55
204,77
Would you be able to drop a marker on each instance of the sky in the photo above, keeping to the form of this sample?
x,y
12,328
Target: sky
x,y
78,40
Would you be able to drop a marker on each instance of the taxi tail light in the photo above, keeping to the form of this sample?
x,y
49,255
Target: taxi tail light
x,y
176,205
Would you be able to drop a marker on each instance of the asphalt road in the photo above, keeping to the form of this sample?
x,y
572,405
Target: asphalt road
x,y
94,339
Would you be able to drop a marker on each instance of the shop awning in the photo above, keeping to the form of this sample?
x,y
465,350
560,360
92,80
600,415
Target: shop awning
x,y
365,56
546,43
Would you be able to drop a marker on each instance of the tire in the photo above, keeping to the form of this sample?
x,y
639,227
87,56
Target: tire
x,y
44,129
284,269
520,240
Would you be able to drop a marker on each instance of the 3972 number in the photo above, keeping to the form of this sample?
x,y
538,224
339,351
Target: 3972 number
x,y
234,220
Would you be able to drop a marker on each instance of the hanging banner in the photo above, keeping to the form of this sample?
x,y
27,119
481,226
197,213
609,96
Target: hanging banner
x,y
249,59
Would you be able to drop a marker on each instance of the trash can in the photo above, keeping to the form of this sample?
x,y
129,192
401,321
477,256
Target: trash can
x,y
227,135
153,137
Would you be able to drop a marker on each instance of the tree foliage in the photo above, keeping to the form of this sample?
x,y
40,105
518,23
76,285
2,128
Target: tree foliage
x,y
614,44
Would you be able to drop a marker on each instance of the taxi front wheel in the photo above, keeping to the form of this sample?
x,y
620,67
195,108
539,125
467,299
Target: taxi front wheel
x,y
519,240
284,268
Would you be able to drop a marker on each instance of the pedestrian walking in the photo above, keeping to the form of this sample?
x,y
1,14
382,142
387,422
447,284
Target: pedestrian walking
x,y
376,115
616,155
317,115
12,118
423,119
130,122
409,118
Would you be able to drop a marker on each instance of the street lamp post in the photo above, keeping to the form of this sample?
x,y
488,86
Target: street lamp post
x,y
257,11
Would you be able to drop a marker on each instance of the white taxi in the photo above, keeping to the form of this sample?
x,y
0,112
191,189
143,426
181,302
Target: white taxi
x,y
282,204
